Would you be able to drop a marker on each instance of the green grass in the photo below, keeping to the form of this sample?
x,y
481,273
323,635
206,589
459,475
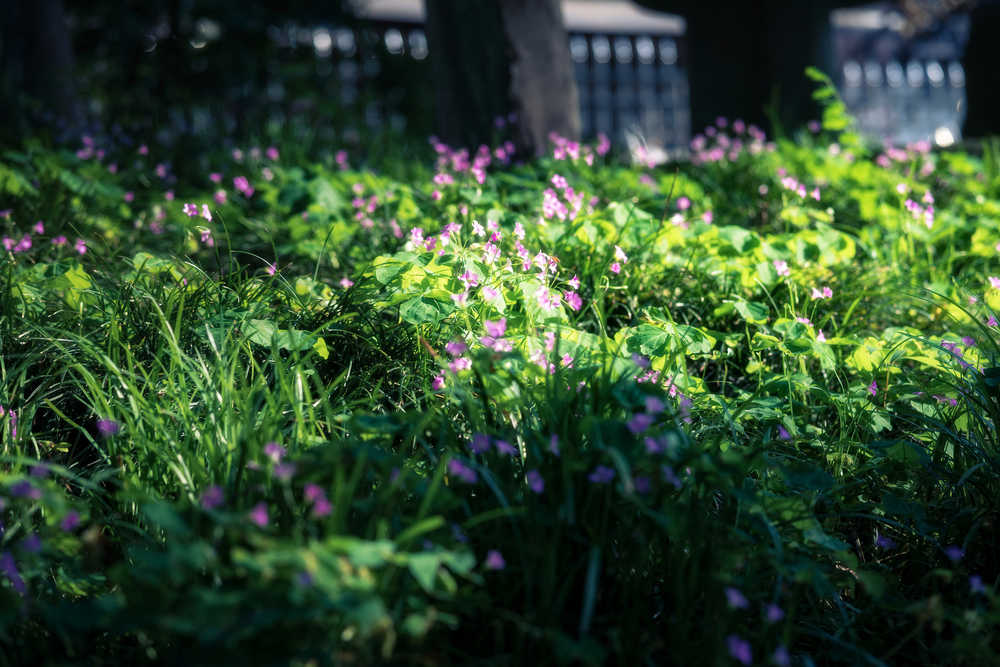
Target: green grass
x,y
697,454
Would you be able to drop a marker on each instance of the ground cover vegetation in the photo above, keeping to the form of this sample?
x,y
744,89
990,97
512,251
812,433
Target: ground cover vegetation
x,y
294,404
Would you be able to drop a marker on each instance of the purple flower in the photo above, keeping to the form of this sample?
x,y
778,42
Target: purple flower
x,y
313,492
774,613
642,484
601,475
735,598
284,471
274,451
462,471
494,560
783,433
32,543
70,521
212,497
976,584
535,481
739,649
884,542
671,477
639,423
505,447
954,553
480,443
39,471
108,427
9,568
25,489
322,508
259,514
554,444
654,405
781,657
873,388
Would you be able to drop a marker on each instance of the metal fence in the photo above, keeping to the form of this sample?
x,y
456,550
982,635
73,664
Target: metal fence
x,y
632,71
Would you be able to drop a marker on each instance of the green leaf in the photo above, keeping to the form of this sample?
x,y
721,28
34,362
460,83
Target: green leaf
x,y
424,310
424,568
753,312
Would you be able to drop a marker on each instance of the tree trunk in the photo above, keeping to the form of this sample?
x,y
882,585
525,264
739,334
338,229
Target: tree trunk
x,y
982,75
543,87
468,55
491,57
753,56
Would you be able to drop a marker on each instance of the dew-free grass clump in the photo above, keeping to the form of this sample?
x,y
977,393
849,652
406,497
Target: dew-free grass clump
x,y
739,409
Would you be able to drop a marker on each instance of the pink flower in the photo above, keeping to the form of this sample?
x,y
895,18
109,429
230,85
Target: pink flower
x,y
271,269
80,246
496,329
243,186
573,300
781,267
272,153
456,348
212,497
215,177
459,364
321,508
205,213
437,384
469,279
494,560
39,227
994,282
346,282
258,515
274,451
191,210
873,388
616,268
707,216
220,197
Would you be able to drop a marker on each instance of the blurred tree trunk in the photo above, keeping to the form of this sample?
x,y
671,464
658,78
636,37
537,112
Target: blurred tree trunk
x,y
36,57
542,81
492,57
753,55
982,72
468,55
